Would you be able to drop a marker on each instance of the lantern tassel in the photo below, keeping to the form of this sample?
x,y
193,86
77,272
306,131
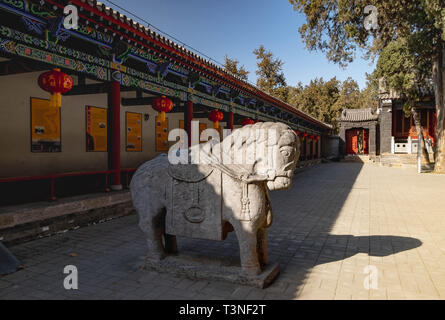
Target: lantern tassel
x,y
216,125
55,100
162,116
59,99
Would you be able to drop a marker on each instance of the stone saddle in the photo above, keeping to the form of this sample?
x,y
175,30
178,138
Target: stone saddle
x,y
195,202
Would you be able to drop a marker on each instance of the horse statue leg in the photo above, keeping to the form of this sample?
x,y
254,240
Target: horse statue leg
x,y
263,256
148,203
245,211
247,238
262,232
151,222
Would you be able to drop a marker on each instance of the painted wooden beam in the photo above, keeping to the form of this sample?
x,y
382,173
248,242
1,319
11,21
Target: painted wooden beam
x,y
146,101
83,89
19,66
95,88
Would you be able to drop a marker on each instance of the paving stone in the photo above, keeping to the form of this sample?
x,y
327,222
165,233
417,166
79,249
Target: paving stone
x,y
240,293
256,294
337,220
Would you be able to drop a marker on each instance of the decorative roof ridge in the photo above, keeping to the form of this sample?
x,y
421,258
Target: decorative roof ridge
x,y
149,32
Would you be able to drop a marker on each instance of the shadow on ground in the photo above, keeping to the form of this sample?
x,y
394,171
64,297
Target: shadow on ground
x,y
109,255
300,237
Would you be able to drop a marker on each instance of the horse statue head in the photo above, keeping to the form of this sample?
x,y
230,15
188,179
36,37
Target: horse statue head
x,y
265,151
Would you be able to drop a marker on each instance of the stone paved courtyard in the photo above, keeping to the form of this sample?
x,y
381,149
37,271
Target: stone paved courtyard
x,y
337,220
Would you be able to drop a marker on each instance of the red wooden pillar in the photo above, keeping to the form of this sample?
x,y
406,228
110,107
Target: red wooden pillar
x,y
116,132
188,118
305,149
301,150
312,150
318,149
230,122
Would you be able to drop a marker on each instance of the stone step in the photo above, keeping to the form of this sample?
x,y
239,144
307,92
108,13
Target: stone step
x,y
358,158
22,223
400,160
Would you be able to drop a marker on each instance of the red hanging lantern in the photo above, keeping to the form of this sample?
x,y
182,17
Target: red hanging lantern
x,y
162,105
317,138
304,136
216,116
55,82
311,138
247,121
297,133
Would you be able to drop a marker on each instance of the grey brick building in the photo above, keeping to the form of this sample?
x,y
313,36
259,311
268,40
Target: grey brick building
x,y
359,130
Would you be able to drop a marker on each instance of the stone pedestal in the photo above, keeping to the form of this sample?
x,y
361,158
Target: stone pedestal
x,y
200,268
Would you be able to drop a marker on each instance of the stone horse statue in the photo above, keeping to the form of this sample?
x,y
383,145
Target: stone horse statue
x,y
209,200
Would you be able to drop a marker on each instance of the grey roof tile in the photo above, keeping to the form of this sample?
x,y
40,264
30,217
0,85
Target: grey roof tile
x,y
356,115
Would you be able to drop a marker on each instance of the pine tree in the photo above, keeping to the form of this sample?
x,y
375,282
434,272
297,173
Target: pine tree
x,y
231,65
270,73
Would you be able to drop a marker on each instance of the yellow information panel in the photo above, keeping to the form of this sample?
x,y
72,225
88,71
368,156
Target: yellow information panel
x,y
134,132
161,132
45,127
97,129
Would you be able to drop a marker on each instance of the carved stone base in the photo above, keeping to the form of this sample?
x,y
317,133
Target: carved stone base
x,y
209,269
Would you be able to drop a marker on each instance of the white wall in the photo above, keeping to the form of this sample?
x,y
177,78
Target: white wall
x,y
16,158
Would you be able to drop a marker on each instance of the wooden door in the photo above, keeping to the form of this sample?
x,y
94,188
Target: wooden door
x,y
366,141
354,143
351,141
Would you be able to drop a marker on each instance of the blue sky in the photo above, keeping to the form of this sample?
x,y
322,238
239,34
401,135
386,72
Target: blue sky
x,y
237,27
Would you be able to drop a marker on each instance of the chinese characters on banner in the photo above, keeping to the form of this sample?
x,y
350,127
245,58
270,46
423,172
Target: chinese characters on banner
x,y
161,132
97,129
134,132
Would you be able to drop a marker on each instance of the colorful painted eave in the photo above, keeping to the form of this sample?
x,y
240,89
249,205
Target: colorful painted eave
x,y
176,52
146,42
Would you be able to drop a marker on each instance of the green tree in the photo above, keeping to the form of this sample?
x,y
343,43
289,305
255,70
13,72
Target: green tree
x,y
325,99
270,73
402,72
370,94
349,96
338,29
318,99
231,65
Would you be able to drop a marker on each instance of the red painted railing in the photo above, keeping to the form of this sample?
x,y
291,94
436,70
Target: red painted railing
x,y
53,177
